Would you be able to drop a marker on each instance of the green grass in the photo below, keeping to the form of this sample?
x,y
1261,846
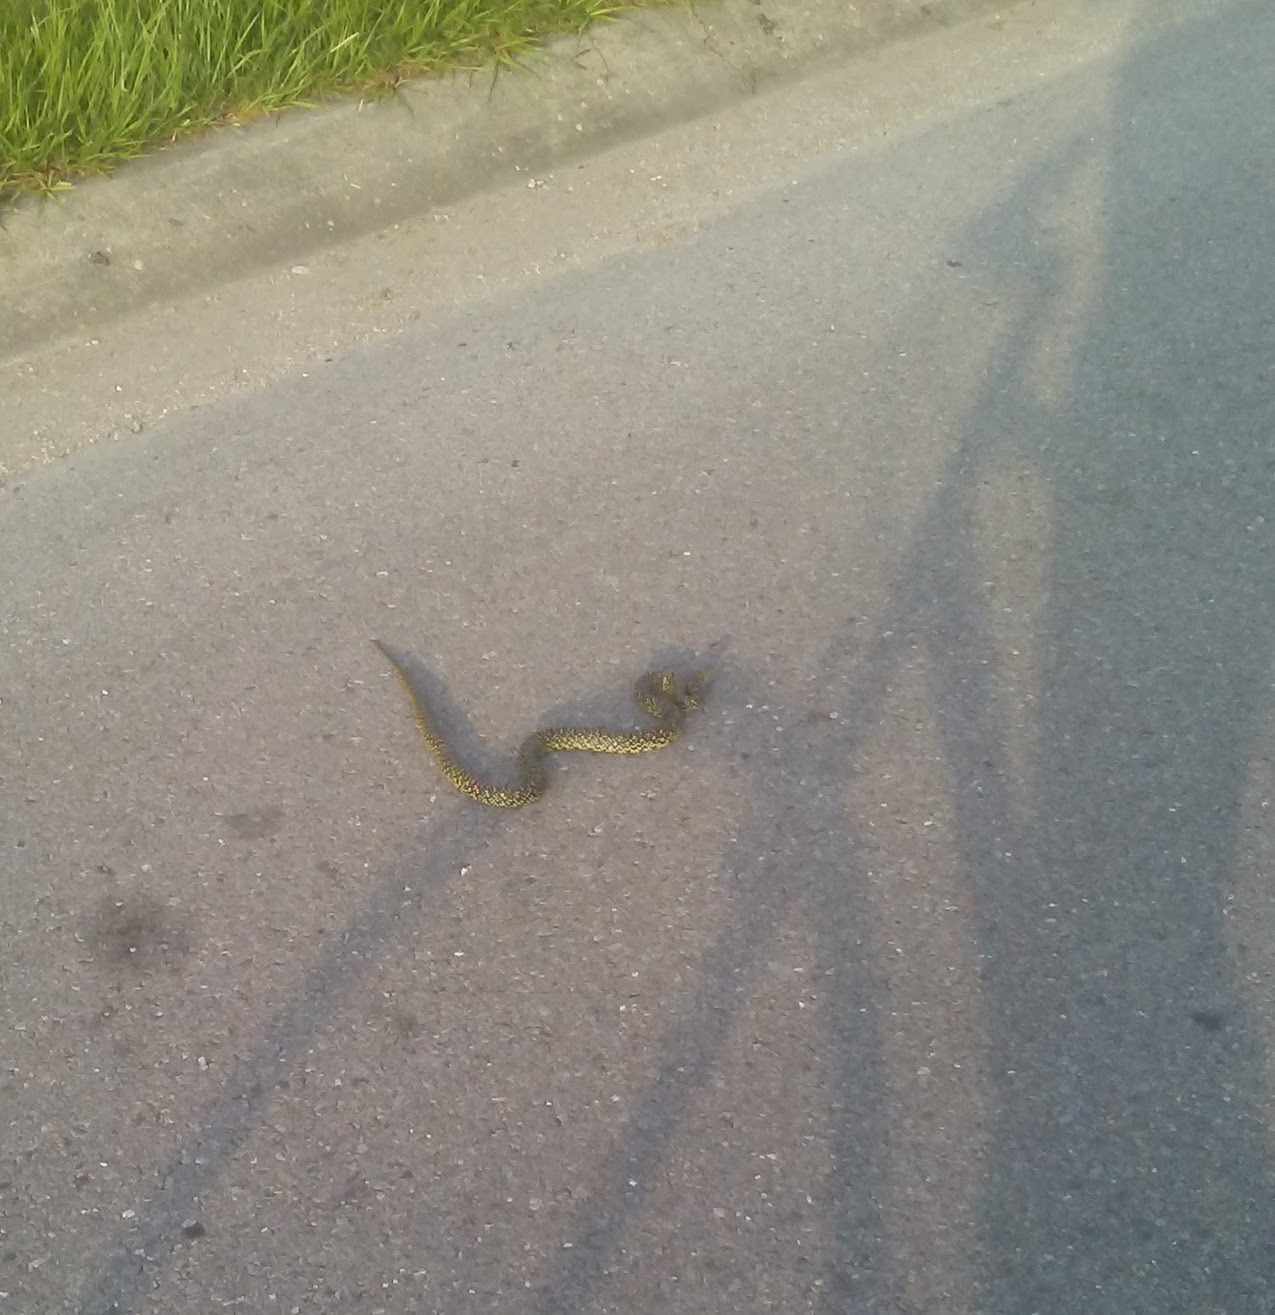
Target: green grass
x,y
87,83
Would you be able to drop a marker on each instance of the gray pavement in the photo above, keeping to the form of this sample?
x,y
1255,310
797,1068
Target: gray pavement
x,y
930,398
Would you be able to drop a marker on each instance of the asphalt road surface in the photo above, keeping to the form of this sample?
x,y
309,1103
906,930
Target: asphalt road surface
x,y
932,971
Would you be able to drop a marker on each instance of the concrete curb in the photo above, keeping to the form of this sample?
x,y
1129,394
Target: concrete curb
x,y
186,219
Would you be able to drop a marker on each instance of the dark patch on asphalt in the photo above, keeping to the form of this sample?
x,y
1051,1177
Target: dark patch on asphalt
x,y
255,824
1211,1020
136,930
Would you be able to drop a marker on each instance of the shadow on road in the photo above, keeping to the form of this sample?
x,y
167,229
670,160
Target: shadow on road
x,y
1129,1167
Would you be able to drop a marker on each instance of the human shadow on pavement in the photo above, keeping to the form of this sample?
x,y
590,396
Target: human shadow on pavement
x,y
1128,1168
1130,1171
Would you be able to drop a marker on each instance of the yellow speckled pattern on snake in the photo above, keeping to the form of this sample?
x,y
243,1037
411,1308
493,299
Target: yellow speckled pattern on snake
x,y
658,693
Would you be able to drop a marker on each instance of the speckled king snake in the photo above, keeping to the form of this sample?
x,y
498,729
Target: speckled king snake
x,y
658,693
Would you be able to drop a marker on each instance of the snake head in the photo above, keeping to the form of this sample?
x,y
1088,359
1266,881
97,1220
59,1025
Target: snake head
x,y
697,686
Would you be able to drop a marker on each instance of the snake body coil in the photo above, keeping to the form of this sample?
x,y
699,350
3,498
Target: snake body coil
x,y
658,693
